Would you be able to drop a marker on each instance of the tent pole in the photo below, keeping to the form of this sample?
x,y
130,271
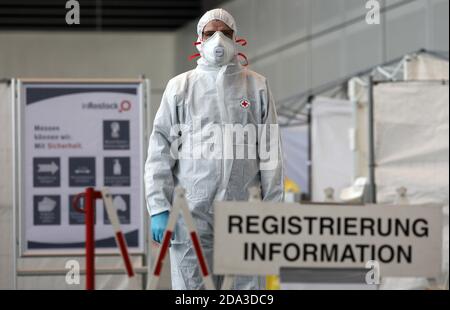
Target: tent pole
x,y
310,172
372,190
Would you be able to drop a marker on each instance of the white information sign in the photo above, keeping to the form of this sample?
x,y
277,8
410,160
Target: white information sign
x,y
254,238
74,136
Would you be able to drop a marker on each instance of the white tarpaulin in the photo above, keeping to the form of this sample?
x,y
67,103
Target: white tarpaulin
x,y
426,67
332,157
295,152
411,141
411,147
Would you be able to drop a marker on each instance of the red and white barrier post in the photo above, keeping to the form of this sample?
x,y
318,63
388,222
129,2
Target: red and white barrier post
x,y
120,239
180,204
157,269
89,196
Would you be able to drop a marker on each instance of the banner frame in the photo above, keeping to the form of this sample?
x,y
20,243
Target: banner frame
x,y
19,158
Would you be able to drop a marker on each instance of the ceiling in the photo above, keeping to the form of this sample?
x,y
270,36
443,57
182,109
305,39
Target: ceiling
x,y
101,15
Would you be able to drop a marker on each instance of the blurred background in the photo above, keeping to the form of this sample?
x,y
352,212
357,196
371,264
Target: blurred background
x,y
296,44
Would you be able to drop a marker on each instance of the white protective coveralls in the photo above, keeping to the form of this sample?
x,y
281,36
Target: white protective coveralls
x,y
212,95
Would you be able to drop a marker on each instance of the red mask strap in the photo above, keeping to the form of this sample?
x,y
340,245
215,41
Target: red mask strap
x,y
197,43
241,42
193,56
245,58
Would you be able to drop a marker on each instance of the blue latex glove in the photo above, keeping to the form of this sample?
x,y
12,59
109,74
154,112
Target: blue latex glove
x,y
159,225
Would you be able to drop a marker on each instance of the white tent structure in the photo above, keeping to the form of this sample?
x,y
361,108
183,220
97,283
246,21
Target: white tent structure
x,y
395,134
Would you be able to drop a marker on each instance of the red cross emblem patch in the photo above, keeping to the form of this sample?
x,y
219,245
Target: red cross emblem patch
x,y
245,103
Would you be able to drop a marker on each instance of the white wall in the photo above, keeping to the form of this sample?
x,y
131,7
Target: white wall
x,y
301,44
89,55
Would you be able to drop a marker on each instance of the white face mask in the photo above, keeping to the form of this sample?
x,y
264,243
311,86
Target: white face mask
x,y
218,49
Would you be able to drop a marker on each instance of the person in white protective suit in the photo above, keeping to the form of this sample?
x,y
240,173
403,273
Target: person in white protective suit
x,y
202,104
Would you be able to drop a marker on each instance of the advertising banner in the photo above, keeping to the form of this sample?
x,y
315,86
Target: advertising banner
x,y
73,136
